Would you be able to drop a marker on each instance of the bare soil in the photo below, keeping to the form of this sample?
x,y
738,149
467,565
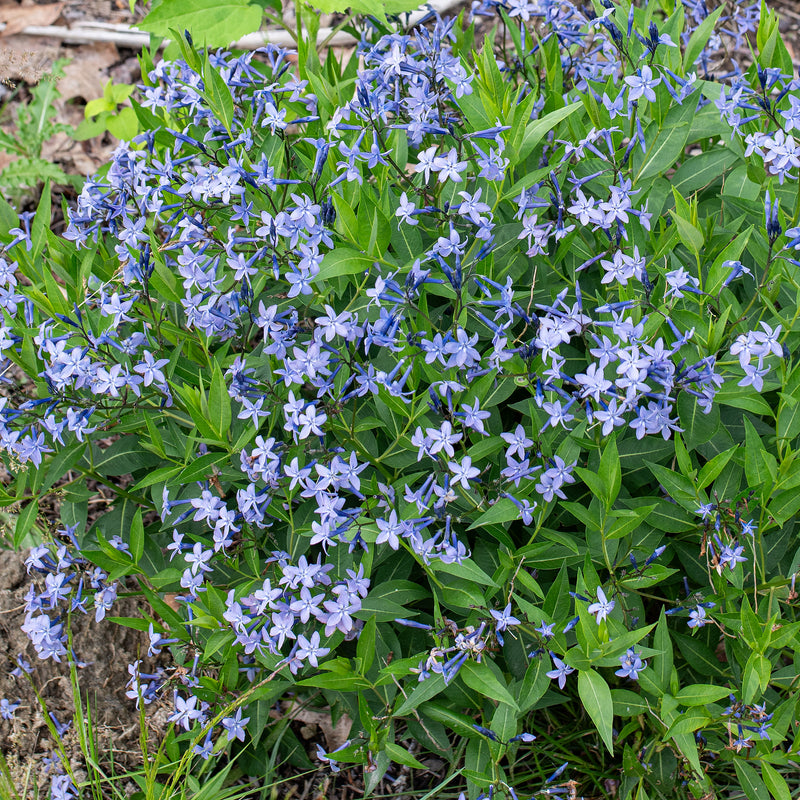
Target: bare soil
x,y
106,650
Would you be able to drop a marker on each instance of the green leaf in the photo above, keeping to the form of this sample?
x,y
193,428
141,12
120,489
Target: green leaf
x,y
158,476
30,172
712,469
525,182
96,106
698,171
212,23
476,762
8,217
218,94
166,612
665,516
533,686
610,472
74,515
784,506
538,129
755,677
502,511
136,623
337,683
169,576
634,452
717,273
120,458
739,185
699,39
219,404
614,647
629,704
454,721
775,782
459,593
662,663
752,627
739,397
593,481
60,464
772,50
788,424
687,744
701,694
666,146
136,539
366,645
577,659
590,518
755,466
685,465
481,678
596,698
123,126
343,261
504,722
557,603
655,574
699,656
401,756
689,234
25,522
623,522
216,642
698,426
116,522
200,468
707,124
467,569
423,691
678,487
39,228
688,722
750,781
375,9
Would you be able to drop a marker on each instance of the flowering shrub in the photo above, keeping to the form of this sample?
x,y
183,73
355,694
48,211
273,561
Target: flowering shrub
x,y
453,388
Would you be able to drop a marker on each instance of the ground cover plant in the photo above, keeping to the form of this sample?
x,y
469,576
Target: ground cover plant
x,y
459,396
34,125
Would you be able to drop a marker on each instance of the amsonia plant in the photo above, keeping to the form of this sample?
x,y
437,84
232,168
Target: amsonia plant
x,y
458,392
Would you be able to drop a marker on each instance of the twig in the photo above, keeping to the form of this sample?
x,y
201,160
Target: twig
x,y
129,36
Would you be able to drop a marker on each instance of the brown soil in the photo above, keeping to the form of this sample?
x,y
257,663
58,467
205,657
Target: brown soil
x,y
26,741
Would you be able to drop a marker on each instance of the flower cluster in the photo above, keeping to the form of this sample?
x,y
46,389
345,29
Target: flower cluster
x,y
359,337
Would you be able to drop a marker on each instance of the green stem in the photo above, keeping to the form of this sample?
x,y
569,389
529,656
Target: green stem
x,y
238,703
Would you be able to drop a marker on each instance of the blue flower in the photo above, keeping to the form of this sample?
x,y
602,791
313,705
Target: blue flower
x,y
235,725
632,664
603,607
560,672
8,708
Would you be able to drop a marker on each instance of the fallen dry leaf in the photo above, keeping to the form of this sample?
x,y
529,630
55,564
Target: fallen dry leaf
x,y
87,73
16,18
335,736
